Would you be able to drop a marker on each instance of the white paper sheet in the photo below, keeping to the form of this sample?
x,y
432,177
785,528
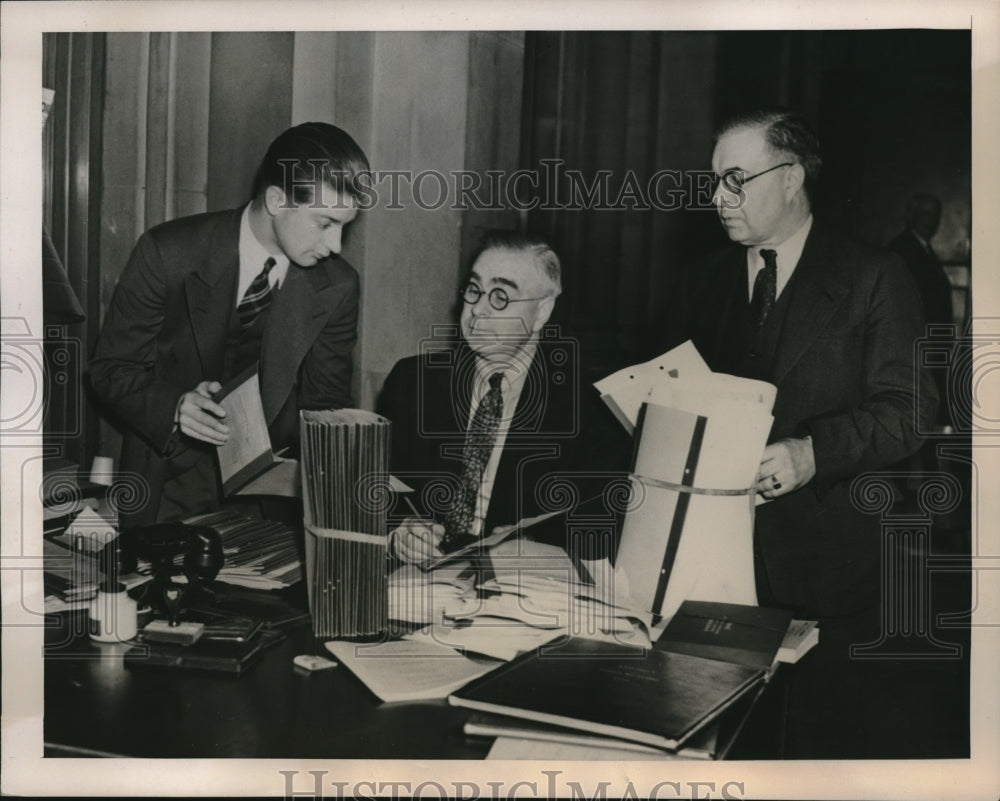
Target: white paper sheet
x,y
714,557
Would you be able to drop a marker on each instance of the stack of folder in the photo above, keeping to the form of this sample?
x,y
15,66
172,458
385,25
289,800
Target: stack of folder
x,y
346,498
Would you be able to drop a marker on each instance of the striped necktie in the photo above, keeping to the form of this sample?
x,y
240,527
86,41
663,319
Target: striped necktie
x,y
257,297
479,442
764,289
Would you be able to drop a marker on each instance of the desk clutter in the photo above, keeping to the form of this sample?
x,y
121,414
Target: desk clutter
x,y
261,554
660,656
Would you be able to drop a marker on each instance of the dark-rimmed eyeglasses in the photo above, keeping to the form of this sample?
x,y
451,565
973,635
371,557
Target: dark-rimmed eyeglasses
x,y
497,297
734,179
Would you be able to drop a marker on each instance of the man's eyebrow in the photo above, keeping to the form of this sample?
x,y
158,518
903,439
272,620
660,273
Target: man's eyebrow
x,y
506,282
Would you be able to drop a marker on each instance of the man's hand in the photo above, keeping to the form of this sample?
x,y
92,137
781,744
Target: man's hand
x,y
416,540
200,417
785,466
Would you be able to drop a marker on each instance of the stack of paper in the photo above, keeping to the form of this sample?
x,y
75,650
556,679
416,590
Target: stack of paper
x,y
536,594
801,636
689,532
70,575
418,596
89,531
409,670
346,499
260,554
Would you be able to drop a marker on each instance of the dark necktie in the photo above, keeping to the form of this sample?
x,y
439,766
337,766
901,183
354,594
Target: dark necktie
x,y
479,442
764,289
257,297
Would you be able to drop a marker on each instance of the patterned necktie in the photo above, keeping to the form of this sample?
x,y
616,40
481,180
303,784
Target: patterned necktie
x,y
479,442
257,297
764,289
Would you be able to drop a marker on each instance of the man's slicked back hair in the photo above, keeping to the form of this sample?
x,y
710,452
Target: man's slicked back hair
x,y
787,132
518,242
303,158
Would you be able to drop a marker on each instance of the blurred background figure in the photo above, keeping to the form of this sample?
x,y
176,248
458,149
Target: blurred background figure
x,y
923,216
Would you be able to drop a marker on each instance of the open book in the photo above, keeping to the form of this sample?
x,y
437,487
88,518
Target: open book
x,y
246,462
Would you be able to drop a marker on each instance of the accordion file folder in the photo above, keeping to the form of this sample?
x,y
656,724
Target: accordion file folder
x,y
346,498
689,535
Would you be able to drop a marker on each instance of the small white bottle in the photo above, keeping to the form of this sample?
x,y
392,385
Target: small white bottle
x,y
112,614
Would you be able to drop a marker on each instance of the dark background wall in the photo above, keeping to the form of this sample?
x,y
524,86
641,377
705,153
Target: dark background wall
x,y
892,109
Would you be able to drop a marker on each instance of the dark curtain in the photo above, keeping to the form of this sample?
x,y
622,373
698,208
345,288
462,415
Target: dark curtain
x,y
892,109
73,65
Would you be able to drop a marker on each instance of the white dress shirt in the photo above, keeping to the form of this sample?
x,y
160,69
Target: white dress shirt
x,y
514,374
253,255
789,252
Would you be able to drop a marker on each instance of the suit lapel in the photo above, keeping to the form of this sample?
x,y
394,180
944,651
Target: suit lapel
x,y
818,291
296,316
211,291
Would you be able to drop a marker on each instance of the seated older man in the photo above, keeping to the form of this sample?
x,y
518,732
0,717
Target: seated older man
x,y
500,423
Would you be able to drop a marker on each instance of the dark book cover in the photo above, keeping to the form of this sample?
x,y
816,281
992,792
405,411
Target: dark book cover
x,y
735,633
646,696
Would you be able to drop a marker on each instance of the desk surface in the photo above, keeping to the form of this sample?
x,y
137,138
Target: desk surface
x,y
94,705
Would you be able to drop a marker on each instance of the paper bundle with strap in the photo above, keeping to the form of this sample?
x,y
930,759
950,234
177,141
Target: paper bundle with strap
x,y
688,531
346,496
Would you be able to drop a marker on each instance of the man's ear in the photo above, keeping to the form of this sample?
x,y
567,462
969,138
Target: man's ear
x,y
795,178
545,306
274,199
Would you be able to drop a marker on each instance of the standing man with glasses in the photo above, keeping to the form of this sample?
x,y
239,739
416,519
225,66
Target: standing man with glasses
x,y
833,325
205,297
493,419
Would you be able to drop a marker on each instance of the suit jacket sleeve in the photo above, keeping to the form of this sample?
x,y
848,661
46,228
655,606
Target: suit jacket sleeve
x,y
896,401
325,378
126,370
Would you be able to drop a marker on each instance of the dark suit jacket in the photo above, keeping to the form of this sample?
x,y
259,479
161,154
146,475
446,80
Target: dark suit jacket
x,y
929,276
563,443
165,332
844,369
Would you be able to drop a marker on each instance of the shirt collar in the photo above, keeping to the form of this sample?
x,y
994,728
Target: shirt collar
x,y
515,371
253,255
788,254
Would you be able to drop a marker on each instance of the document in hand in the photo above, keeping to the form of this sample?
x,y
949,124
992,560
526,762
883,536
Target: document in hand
x,y
625,391
688,534
646,696
246,457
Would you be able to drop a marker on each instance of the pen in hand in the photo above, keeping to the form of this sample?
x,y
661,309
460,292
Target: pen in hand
x,y
418,545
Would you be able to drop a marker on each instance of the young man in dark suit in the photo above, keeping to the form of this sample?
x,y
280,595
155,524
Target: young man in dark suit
x,y
833,325
203,298
500,423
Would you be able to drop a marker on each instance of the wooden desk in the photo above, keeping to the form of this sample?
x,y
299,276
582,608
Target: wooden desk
x,y
96,706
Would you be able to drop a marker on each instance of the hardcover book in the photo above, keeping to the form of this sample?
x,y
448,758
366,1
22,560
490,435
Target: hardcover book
x,y
744,635
653,697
